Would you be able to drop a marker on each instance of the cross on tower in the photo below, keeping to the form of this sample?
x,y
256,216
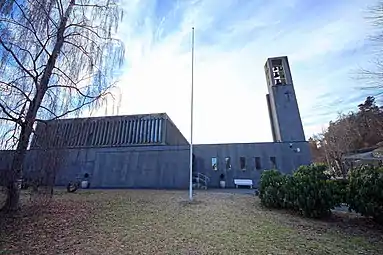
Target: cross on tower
x,y
288,94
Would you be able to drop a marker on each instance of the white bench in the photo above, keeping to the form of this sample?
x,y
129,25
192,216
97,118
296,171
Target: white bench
x,y
243,182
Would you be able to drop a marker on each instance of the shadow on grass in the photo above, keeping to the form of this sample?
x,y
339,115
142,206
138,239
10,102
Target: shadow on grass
x,y
344,223
185,203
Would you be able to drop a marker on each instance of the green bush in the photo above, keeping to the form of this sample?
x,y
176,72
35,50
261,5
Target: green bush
x,y
314,194
311,191
290,193
308,191
366,191
340,191
271,191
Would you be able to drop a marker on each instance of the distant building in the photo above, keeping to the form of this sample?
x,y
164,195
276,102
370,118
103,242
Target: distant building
x,y
148,151
372,156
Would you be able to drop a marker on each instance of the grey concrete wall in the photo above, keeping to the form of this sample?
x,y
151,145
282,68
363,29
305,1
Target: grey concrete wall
x,y
165,167
174,135
274,115
138,167
5,159
156,167
287,111
5,163
287,160
271,118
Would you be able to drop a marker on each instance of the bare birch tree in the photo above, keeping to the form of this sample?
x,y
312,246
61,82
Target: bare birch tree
x,y
57,57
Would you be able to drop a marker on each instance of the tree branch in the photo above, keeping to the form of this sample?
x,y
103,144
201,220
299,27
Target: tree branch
x,y
48,110
66,76
8,114
7,119
80,48
17,88
13,136
18,104
60,7
73,110
16,58
48,15
74,88
32,29
94,6
43,48
90,29
83,36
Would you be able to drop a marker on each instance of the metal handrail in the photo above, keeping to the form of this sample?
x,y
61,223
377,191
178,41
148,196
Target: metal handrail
x,y
202,178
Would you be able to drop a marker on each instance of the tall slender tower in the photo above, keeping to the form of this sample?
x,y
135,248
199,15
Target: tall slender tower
x,y
286,123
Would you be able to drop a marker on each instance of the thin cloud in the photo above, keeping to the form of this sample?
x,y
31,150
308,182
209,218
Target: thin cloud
x,y
233,41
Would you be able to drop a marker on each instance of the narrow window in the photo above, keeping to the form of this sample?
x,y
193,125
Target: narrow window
x,y
227,163
214,164
273,161
258,163
242,163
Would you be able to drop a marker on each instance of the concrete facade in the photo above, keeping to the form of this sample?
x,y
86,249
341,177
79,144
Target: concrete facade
x,y
286,155
164,167
148,151
155,167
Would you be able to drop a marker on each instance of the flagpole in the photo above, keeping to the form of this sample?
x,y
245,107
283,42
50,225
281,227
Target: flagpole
x,y
191,123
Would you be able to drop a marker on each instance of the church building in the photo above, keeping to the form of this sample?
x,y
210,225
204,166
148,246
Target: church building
x,y
148,151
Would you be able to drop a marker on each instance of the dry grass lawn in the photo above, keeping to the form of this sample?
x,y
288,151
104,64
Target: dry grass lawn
x,y
163,222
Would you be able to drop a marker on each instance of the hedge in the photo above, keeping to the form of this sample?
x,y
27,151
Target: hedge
x,y
313,193
308,191
365,194
272,189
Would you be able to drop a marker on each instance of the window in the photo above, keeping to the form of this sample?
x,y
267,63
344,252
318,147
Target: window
x,y
227,163
242,163
214,164
273,161
258,163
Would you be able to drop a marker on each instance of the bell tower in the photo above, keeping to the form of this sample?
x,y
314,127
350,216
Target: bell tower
x,y
285,119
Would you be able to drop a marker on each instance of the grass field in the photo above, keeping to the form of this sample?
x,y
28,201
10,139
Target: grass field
x,y
163,222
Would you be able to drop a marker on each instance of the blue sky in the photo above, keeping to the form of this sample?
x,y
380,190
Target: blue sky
x,y
324,40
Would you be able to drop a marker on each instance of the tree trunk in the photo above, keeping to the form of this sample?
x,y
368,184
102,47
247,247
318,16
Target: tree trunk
x,y
13,197
16,173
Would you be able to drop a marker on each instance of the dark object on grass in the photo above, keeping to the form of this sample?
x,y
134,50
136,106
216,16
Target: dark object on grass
x,y
25,184
72,186
78,183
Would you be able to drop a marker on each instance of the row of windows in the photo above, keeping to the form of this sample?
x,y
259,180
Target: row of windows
x,y
242,163
103,132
